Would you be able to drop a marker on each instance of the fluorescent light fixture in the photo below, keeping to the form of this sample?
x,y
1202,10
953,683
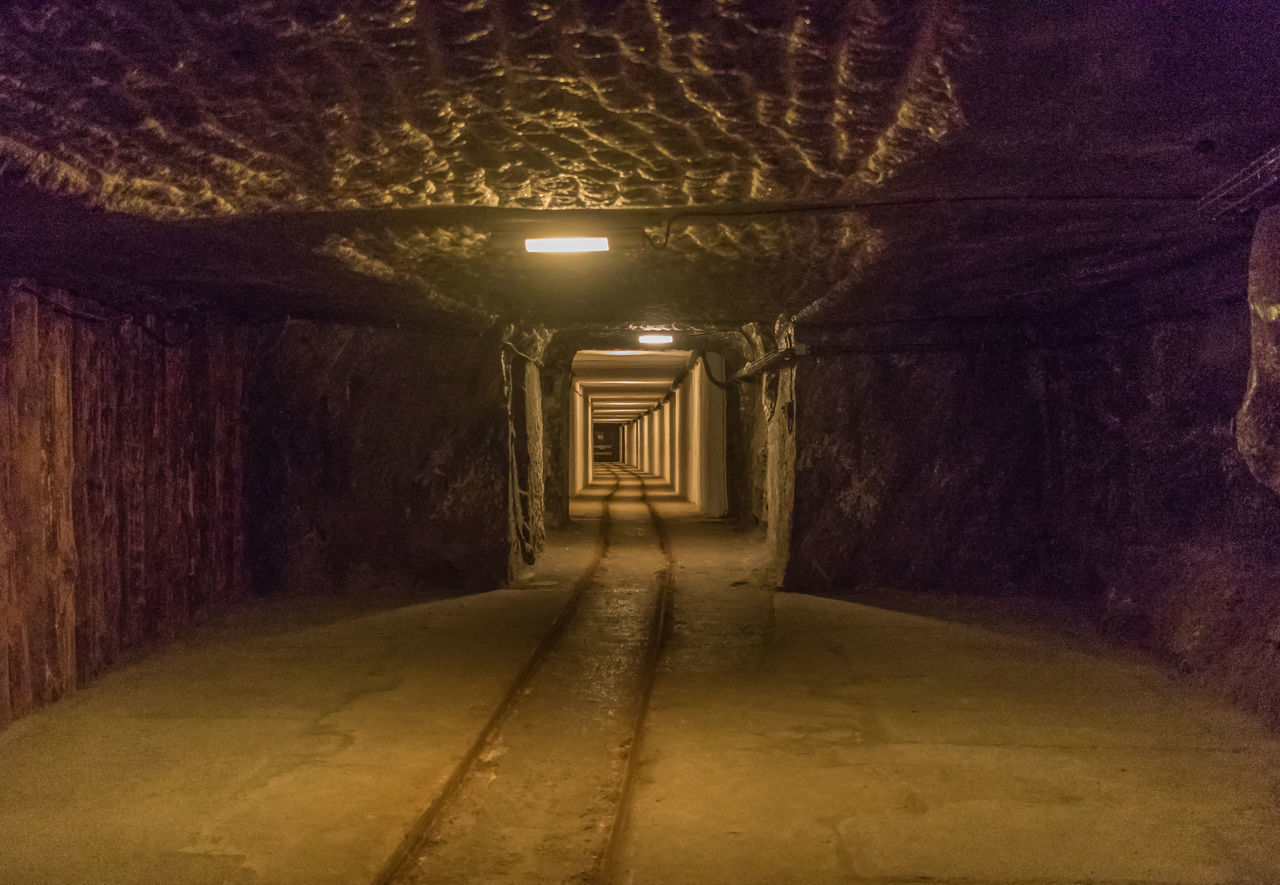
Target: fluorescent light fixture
x,y
655,339
567,244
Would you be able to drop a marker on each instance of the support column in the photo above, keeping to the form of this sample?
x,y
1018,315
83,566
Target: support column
x,y
675,448
714,498
696,441
651,443
581,436
686,443
522,376
664,442
779,391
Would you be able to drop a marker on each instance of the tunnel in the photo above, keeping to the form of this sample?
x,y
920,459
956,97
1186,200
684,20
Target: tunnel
x,y
659,411
654,441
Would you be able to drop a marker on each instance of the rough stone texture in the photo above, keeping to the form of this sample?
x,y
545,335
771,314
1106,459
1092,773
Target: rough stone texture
x,y
1026,173
172,109
1100,466
1258,423
1157,505
919,471
1090,130
120,515
376,450
206,119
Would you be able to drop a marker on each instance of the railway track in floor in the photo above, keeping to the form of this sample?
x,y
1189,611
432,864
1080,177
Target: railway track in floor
x,y
543,792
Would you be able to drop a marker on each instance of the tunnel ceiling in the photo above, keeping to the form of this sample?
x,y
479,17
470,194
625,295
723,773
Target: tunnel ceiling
x,y
371,160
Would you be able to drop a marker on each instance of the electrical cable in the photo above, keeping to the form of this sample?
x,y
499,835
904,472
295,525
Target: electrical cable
x,y
723,385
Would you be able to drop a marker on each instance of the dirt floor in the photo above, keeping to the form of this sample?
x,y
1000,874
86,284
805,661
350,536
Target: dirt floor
x,y
791,739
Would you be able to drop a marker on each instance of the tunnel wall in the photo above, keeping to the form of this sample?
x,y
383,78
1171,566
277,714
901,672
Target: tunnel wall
x,y
121,467
922,471
1100,467
377,452
1158,508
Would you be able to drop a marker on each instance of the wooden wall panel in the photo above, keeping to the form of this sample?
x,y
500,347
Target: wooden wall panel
x,y
121,487
8,514
37,584
97,501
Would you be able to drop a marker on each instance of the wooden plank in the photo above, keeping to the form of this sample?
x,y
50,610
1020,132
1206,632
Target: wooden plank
x,y
25,468
8,498
135,428
39,604
95,391
121,489
234,443
59,569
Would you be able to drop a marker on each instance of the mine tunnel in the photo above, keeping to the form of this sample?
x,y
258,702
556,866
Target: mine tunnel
x,y
639,442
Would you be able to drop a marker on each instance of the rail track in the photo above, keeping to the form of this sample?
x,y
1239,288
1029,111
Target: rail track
x,y
543,791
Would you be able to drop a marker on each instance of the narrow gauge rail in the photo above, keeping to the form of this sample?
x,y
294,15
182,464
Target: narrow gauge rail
x,y
543,790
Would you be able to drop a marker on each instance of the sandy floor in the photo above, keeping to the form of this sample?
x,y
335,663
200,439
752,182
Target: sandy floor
x,y
791,739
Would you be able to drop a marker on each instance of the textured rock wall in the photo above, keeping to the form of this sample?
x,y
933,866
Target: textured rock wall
x,y
918,470
167,108
377,451
1156,506
1101,467
1258,425
121,452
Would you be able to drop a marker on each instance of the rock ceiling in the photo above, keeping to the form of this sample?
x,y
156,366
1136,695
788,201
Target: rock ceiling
x,y
372,159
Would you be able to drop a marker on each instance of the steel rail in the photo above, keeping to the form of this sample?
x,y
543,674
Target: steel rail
x,y
417,834
606,866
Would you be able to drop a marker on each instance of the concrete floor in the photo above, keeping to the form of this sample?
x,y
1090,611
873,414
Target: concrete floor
x,y
790,739
290,742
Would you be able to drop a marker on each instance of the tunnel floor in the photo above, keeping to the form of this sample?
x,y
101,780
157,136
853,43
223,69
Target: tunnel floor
x,y
789,738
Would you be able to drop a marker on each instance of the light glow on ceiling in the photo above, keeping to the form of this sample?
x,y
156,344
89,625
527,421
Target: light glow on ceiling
x,y
566,244
650,338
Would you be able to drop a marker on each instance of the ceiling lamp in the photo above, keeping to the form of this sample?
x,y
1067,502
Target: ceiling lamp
x,y
650,338
566,244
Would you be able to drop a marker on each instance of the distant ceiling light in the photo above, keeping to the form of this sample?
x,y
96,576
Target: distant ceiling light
x,y
567,244
655,339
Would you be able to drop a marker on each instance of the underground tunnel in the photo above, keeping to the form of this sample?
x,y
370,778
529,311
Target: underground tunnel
x,y
710,441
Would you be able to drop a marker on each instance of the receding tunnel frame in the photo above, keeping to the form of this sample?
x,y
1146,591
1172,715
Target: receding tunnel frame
x,y
671,419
